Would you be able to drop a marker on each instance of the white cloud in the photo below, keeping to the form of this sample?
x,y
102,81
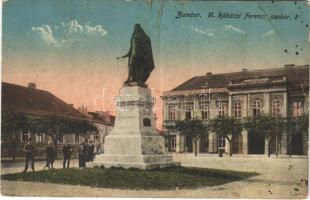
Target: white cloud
x,y
95,30
233,29
46,34
268,33
68,33
208,32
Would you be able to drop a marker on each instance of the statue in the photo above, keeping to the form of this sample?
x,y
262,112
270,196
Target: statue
x,y
140,57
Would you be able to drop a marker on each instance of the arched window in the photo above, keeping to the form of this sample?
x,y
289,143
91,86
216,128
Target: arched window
x,y
146,122
276,107
257,105
237,109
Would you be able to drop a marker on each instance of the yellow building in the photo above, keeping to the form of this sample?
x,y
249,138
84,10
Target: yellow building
x,y
278,92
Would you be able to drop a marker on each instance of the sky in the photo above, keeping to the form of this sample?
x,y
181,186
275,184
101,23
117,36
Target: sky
x,y
70,47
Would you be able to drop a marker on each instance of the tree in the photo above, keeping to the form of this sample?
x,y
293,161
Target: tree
x,y
227,127
298,126
11,122
268,127
54,126
57,127
193,127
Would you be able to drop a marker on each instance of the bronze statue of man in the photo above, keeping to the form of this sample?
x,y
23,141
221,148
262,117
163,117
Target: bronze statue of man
x,y
140,57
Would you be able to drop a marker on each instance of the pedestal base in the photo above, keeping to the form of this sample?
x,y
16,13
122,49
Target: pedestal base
x,y
145,162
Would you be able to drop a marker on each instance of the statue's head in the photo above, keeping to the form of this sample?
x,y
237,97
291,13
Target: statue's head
x,y
137,28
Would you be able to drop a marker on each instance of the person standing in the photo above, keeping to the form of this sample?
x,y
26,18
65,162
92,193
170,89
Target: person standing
x,y
91,149
82,154
29,154
50,156
98,146
67,152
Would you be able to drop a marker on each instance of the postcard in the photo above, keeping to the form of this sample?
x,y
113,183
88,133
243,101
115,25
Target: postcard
x,y
155,99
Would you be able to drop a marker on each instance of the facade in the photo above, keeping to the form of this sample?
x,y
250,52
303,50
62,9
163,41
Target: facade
x,y
278,92
30,100
103,121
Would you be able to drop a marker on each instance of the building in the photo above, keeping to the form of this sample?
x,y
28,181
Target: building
x,y
30,100
279,92
103,121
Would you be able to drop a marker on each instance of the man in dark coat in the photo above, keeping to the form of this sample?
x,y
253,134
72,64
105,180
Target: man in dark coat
x,y
29,154
91,149
140,57
67,152
50,156
82,151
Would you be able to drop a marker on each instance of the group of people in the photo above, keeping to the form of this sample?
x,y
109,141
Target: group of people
x,y
86,153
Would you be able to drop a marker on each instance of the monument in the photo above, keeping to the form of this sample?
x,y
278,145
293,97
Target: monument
x,y
134,141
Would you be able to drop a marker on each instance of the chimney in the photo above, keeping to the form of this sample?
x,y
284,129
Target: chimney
x,y
32,85
209,73
244,70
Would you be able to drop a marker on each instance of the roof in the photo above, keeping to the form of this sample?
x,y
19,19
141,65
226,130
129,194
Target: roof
x,y
102,117
30,100
294,76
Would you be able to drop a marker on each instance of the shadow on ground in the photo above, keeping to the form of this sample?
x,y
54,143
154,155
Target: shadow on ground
x,y
162,179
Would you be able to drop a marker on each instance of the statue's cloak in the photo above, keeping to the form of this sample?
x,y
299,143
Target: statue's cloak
x,y
140,55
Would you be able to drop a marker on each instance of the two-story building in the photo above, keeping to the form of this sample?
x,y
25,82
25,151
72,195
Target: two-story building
x,y
278,92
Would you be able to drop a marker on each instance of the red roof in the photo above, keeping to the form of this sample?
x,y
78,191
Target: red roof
x,y
30,100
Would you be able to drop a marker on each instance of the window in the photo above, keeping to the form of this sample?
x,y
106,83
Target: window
x,y
221,110
297,109
39,137
204,107
276,107
237,110
172,114
25,136
221,141
172,143
188,115
256,107
188,107
204,114
146,122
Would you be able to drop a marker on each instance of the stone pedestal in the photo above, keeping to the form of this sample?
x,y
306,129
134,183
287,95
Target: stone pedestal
x,y
134,141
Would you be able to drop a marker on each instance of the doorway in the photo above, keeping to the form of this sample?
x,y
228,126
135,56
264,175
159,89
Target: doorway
x,y
296,145
256,143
